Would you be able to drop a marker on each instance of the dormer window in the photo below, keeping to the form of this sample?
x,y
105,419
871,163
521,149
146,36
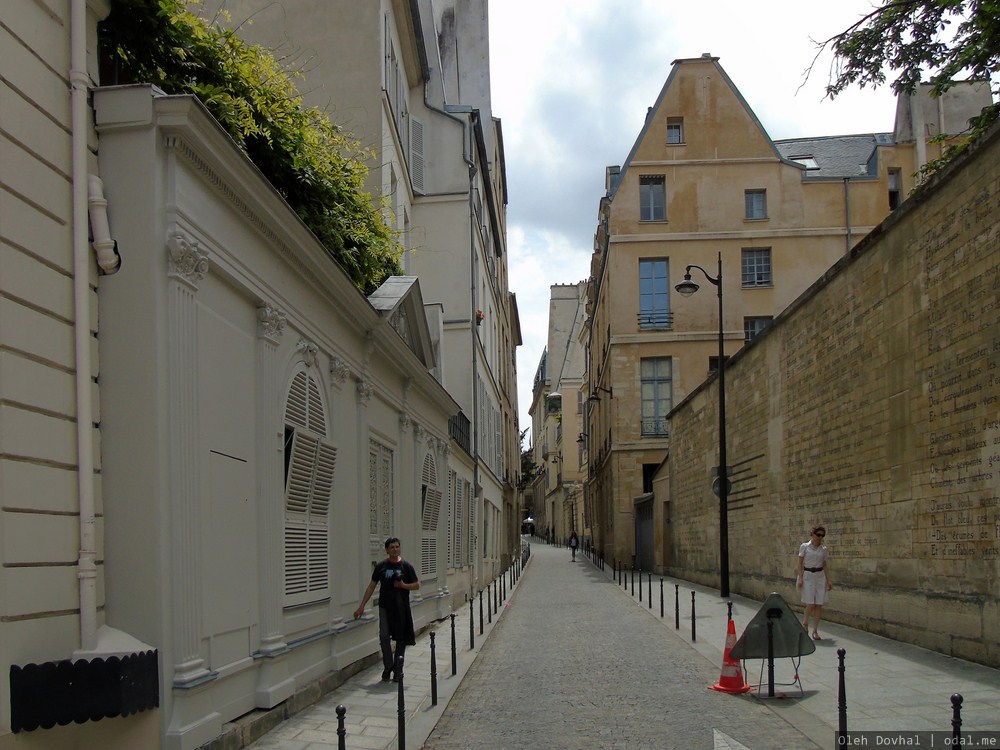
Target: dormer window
x,y
806,160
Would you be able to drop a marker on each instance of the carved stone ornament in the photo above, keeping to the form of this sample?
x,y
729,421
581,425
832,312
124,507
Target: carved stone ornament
x,y
445,448
270,321
365,391
188,261
339,369
419,433
404,420
308,350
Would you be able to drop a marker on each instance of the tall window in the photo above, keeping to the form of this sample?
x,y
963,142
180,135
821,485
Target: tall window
x,y
675,130
757,266
654,297
430,513
309,466
652,198
755,202
754,326
381,491
655,373
895,188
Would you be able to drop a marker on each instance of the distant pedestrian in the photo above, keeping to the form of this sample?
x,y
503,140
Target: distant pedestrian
x,y
395,620
574,542
813,578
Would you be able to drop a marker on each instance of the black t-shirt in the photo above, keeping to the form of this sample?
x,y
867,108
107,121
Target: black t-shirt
x,y
384,573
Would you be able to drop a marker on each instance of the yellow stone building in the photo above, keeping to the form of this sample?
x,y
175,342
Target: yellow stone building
x,y
704,185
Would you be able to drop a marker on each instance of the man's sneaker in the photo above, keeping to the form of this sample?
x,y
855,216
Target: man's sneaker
x,y
386,674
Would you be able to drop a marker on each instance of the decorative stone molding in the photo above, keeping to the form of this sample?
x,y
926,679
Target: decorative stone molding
x,y
339,369
188,261
419,433
270,321
308,350
445,448
404,421
365,390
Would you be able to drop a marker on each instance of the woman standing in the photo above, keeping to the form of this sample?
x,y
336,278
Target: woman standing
x,y
574,542
813,579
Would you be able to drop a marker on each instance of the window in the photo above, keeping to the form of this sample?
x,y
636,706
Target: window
x,y
895,188
652,198
381,491
713,363
430,514
756,204
757,266
655,374
675,130
309,467
807,160
754,326
654,299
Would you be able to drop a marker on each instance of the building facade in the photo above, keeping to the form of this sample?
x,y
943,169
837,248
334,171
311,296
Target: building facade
x,y
557,411
871,407
411,81
704,185
207,431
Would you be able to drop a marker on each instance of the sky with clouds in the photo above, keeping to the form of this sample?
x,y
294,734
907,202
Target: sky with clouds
x,y
572,80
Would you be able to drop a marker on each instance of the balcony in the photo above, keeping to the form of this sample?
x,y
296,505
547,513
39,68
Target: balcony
x,y
655,427
655,320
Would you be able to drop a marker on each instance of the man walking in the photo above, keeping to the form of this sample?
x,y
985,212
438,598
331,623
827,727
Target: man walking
x,y
397,578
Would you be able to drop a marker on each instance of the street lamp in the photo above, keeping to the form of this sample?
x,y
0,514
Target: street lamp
x,y
687,288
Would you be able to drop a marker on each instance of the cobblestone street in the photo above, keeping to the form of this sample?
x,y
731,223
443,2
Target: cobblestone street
x,y
574,664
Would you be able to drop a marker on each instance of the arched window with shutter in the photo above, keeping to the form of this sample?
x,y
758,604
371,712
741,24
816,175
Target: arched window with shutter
x,y
310,460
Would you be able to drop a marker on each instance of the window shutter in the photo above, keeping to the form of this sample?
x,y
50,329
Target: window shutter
x,y
417,155
308,494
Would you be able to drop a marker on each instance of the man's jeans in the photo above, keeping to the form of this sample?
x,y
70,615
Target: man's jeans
x,y
385,642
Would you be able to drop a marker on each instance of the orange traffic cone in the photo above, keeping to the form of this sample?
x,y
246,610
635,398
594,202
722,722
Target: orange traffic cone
x,y
731,680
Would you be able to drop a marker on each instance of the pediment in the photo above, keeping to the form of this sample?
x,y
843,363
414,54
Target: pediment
x,y
401,304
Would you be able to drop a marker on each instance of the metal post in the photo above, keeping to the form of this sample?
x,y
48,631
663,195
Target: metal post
x,y
480,611
693,630
434,674
472,625
661,598
400,704
770,658
490,604
956,718
650,592
454,648
640,586
677,606
841,700
341,731
729,609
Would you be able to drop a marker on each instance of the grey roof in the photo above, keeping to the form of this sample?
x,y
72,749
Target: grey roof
x,y
837,156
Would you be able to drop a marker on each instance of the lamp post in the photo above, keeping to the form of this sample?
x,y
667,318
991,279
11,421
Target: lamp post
x,y
687,288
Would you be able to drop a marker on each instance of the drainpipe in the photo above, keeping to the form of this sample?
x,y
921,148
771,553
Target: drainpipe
x,y
86,567
847,211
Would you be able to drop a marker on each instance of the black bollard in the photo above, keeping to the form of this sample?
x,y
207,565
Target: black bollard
x,y
694,636
434,674
640,586
496,596
633,580
661,598
454,648
480,611
650,592
490,605
729,608
400,703
677,606
841,701
472,626
956,718
341,731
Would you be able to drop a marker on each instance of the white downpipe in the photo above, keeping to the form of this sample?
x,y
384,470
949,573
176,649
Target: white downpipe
x,y
100,230
86,567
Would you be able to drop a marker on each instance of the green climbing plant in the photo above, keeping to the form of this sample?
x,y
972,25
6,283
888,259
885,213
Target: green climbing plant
x,y
317,167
